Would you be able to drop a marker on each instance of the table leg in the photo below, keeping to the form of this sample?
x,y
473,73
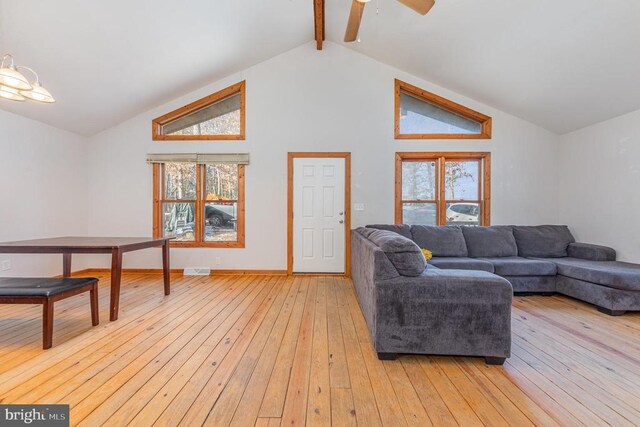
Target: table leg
x,y
116,276
166,267
66,264
95,309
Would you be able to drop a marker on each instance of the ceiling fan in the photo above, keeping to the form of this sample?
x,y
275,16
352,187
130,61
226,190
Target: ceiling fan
x,y
357,7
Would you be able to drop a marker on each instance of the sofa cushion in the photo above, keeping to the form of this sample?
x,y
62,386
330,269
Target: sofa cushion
x,y
612,274
401,229
403,253
496,241
446,241
545,241
516,266
461,263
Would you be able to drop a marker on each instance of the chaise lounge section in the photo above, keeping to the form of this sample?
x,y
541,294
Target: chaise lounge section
x,y
410,309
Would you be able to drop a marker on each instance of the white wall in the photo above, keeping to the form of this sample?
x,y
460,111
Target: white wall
x,y
305,100
600,182
43,190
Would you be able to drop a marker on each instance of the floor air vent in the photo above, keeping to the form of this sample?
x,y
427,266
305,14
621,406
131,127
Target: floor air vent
x,y
197,271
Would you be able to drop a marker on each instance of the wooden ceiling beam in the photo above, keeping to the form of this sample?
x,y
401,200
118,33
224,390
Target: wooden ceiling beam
x,y
318,13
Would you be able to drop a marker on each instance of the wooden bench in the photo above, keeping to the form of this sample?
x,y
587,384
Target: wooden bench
x,y
46,291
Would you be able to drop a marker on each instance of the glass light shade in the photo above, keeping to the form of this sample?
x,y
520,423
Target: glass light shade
x,y
38,93
7,92
11,77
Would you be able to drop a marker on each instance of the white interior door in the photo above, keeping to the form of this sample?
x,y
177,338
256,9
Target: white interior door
x,y
318,215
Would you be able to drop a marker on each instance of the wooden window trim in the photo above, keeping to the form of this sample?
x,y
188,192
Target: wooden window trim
x,y
157,123
443,103
484,186
158,190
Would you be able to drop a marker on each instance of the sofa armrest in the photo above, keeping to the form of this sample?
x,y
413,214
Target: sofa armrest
x,y
591,252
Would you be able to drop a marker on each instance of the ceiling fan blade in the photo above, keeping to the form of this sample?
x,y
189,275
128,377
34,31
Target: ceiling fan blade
x,y
420,6
353,24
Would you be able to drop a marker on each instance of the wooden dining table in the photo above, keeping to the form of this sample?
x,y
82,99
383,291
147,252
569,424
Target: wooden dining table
x,y
116,246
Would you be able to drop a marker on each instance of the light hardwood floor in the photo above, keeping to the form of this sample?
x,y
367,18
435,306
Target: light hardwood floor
x,y
268,350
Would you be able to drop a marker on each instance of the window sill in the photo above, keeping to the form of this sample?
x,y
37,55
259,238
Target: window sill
x,y
227,245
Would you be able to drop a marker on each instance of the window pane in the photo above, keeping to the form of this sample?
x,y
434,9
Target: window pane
x,y
220,222
178,221
220,118
222,182
418,180
461,180
463,214
419,213
180,181
421,117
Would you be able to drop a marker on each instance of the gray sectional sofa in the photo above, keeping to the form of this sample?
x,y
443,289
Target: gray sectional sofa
x,y
460,304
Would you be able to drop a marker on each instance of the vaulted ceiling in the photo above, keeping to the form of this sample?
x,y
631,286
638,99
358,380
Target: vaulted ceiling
x,y
560,64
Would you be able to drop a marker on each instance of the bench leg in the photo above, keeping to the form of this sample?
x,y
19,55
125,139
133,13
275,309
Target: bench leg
x,y
47,324
95,310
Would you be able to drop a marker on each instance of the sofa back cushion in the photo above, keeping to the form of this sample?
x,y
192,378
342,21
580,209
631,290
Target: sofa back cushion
x,y
403,253
492,242
441,241
401,229
543,241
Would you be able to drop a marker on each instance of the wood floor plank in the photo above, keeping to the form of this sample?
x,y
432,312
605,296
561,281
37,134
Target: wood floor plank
x,y
249,405
507,398
343,412
414,412
456,403
223,409
436,408
319,400
474,396
363,398
276,350
273,400
295,404
338,369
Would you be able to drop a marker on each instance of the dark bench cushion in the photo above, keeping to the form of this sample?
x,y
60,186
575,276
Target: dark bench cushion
x,y
516,266
401,229
403,253
461,263
544,241
40,287
612,274
496,241
444,241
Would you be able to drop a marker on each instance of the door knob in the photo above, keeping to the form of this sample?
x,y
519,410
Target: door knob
x,y
341,221
340,213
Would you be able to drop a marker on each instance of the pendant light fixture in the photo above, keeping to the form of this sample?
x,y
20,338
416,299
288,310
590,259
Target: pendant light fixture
x,y
16,87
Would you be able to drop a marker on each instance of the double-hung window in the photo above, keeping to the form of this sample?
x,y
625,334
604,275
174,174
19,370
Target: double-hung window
x,y
443,188
199,199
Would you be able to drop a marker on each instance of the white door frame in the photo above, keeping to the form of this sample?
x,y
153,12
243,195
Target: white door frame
x,y
347,204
